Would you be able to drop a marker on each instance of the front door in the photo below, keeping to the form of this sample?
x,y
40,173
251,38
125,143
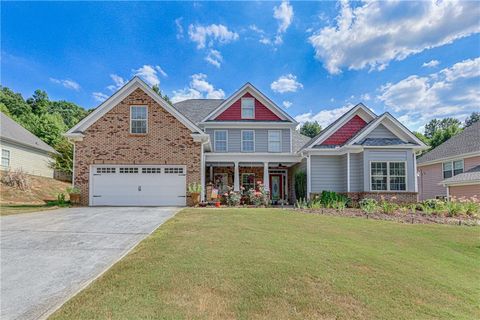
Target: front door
x,y
276,187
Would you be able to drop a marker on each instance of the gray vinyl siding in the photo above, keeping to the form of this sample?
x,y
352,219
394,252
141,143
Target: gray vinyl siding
x,y
261,140
389,155
381,132
356,172
328,173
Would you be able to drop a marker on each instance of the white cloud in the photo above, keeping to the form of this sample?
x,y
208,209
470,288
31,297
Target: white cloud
x,y
178,24
286,83
377,32
207,35
214,57
365,97
324,117
99,96
118,82
287,104
199,88
431,64
452,91
284,15
149,74
67,83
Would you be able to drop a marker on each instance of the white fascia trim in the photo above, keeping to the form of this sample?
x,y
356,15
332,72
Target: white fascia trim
x,y
350,114
452,158
460,183
252,157
118,96
244,125
248,87
397,129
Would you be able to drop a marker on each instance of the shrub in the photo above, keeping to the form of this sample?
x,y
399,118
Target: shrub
x,y
301,203
472,207
300,179
454,208
368,205
339,205
387,206
330,198
436,206
16,179
61,199
194,187
232,198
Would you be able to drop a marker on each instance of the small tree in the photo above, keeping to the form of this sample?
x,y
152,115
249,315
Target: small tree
x,y
310,129
474,117
300,184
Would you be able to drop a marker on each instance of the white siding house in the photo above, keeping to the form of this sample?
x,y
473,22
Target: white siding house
x,y
20,149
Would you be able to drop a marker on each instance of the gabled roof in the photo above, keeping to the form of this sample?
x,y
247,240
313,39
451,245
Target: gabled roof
x,y
14,132
392,124
298,140
257,94
466,142
121,94
328,131
197,109
471,176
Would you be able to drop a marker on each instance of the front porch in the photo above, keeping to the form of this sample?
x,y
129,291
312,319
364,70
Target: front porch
x,y
242,176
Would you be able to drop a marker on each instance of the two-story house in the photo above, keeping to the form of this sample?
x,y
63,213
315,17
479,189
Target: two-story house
x,y
137,149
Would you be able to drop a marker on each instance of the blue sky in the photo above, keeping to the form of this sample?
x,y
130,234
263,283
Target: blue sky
x,y
417,60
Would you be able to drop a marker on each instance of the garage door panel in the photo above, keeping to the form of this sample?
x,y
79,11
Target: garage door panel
x,y
125,185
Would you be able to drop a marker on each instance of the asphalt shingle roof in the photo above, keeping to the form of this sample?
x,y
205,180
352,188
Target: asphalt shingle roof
x,y
467,141
197,109
298,140
383,142
12,131
468,176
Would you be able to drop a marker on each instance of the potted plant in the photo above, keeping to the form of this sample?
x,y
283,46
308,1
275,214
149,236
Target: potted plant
x,y
74,194
194,189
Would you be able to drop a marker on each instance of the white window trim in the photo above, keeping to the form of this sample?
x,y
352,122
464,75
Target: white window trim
x,y
146,119
9,158
241,108
215,140
248,173
453,167
388,175
241,140
280,136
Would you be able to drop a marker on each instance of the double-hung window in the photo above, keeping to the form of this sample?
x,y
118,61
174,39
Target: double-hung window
x,y
220,140
248,141
138,119
388,176
5,158
248,108
452,168
274,140
248,181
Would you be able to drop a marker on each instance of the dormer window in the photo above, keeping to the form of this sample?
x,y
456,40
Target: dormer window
x,y
248,108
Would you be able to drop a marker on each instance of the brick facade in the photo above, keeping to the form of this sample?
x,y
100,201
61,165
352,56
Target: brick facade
x,y
395,197
108,141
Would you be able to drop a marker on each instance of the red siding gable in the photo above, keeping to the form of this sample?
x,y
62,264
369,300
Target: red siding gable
x,y
234,112
346,131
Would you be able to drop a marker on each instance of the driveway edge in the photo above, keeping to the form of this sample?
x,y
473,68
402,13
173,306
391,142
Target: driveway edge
x,y
84,285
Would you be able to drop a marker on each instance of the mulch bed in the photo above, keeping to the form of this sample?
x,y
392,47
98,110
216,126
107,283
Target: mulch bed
x,y
418,218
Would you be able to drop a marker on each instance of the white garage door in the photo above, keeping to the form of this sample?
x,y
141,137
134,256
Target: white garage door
x,y
133,185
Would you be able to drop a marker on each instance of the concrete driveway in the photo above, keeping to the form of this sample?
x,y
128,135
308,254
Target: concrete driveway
x,y
47,257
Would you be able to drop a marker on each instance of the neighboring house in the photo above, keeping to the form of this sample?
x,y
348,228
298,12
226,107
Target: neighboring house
x,y
22,150
136,149
452,167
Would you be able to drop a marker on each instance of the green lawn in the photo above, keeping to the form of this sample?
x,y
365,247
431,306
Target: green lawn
x,y
276,264
6,210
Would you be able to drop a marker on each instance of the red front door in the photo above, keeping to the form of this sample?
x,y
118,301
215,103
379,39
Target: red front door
x,y
276,187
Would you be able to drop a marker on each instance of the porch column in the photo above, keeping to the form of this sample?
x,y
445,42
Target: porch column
x,y
211,173
202,175
348,171
236,178
266,180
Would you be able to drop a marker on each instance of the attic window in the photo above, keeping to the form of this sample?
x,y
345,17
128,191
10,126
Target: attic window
x,y
138,119
248,108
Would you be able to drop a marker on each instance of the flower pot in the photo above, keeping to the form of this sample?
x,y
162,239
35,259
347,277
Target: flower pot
x,y
195,197
74,198
217,204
